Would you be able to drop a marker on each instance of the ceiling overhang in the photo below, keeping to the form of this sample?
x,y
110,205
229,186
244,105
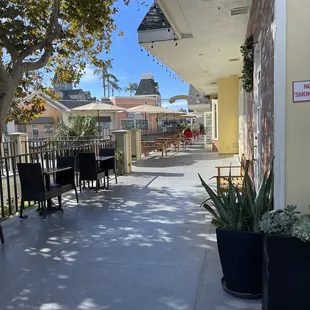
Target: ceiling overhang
x,y
199,39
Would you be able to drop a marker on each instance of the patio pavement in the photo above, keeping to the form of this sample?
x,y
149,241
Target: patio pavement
x,y
143,245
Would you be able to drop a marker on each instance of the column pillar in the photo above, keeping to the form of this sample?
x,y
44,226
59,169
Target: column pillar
x,y
136,143
296,162
123,142
228,115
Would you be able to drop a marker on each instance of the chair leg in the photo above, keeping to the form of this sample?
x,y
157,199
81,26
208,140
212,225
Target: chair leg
x,y
107,176
115,176
60,204
21,212
76,195
44,209
1,234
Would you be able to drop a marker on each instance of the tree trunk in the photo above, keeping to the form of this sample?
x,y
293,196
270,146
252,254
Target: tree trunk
x,y
112,92
8,89
108,90
104,87
130,92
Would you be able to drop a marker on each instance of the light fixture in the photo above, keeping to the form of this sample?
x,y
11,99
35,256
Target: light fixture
x,y
239,11
234,59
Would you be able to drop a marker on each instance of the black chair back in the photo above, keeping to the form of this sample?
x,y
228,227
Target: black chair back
x,y
31,181
88,166
107,152
107,164
67,176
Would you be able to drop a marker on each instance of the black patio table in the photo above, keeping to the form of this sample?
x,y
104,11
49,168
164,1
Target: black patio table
x,y
104,158
47,172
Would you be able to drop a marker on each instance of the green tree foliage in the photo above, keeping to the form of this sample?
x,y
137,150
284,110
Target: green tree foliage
x,y
61,35
79,127
25,108
109,80
131,88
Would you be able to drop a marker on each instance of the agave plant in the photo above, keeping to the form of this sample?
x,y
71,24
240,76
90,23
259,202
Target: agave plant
x,y
240,209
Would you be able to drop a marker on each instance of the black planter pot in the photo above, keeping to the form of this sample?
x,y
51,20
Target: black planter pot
x,y
241,259
286,273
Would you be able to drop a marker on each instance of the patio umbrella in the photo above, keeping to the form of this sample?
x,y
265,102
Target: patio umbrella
x,y
190,115
96,107
153,110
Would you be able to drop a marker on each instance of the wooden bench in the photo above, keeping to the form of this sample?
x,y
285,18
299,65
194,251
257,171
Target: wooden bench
x,y
154,146
236,179
174,140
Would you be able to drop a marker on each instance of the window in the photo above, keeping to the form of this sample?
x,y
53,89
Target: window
x,y
35,130
21,128
48,129
127,124
106,125
142,124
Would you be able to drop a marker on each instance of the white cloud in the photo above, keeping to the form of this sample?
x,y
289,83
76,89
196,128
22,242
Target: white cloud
x,y
89,76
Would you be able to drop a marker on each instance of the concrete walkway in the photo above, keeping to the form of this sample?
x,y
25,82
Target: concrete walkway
x,y
143,245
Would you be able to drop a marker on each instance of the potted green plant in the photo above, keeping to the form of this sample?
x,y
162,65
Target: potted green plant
x,y
236,216
286,254
119,158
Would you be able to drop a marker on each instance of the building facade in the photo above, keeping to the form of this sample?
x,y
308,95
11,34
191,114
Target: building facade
x,y
147,93
262,98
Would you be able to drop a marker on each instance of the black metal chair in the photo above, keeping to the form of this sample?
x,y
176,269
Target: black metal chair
x,y
33,187
108,164
66,179
89,170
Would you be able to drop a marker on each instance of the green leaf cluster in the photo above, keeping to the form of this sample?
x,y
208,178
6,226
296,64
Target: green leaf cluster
x,y
279,221
240,210
247,50
286,222
79,127
301,228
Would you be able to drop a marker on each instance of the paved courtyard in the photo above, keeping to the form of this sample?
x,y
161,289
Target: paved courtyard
x,y
143,245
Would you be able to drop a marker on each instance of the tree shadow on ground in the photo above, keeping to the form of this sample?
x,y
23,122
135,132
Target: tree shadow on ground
x,y
138,245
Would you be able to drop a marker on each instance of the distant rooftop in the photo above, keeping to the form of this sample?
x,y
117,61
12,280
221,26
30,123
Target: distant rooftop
x,y
147,86
71,104
154,19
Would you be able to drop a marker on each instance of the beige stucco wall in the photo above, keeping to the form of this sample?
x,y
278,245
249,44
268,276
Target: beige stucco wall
x,y
50,111
297,114
131,102
228,113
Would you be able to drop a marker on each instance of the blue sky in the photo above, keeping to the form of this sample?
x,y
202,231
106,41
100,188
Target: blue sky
x,y
129,63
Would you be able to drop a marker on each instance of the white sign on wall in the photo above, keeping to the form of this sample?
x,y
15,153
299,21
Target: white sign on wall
x,y
134,116
301,91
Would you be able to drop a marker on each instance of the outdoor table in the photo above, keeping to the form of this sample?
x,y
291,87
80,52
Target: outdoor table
x,y
47,172
105,158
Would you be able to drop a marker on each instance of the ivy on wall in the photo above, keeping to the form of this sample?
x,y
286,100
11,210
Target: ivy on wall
x,y
247,51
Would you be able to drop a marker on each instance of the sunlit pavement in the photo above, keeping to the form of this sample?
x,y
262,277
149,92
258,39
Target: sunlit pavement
x,y
145,244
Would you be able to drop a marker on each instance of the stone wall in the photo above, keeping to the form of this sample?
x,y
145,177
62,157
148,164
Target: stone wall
x,y
261,23
195,95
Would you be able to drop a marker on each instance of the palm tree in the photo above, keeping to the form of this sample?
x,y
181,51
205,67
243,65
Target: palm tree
x,y
102,73
114,86
109,80
132,87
